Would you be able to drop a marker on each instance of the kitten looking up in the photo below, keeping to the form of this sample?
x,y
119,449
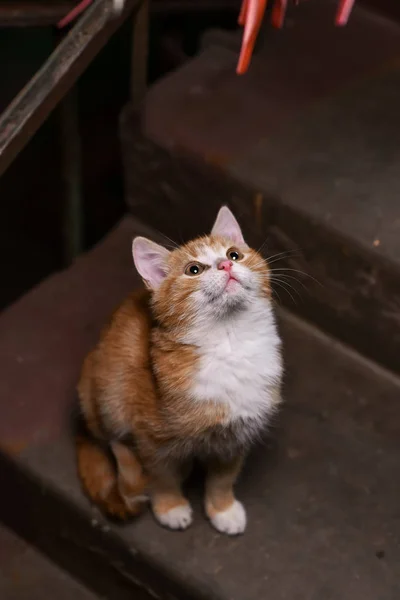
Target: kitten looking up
x,y
188,368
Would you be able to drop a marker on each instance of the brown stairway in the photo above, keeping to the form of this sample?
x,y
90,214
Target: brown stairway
x,y
288,150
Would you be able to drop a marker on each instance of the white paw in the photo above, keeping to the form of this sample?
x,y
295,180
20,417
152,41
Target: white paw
x,y
232,520
179,517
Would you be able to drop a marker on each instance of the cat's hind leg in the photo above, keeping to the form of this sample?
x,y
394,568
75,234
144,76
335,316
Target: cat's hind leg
x,y
110,473
131,480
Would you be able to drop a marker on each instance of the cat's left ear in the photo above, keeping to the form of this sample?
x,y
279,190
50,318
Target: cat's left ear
x,y
150,260
226,226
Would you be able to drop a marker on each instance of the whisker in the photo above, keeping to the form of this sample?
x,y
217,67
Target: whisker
x,y
279,298
260,261
262,245
294,279
276,257
256,265
286,283
297,271
285,289
280,255
174,244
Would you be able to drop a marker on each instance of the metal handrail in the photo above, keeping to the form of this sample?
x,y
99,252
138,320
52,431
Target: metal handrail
x,y
29,109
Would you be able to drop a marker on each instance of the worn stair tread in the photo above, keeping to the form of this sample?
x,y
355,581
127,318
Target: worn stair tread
x,y
321,493
25,574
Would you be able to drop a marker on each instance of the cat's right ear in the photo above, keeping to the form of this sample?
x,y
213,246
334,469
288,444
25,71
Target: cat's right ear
x,y
227,226
150,260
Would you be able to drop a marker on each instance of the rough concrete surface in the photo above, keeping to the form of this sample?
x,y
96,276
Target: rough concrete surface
x,y
25,574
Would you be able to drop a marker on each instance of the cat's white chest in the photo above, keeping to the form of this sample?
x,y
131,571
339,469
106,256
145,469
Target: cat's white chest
x,y
240,366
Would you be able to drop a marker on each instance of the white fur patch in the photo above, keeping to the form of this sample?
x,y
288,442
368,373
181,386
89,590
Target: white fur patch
x,y
237,342
179,517
210,255
240,362
231,521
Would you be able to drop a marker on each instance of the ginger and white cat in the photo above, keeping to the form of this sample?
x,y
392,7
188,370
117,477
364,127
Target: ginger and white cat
x,y
188,368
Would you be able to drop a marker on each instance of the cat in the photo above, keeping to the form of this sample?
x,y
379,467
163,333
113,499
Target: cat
x,y
188,368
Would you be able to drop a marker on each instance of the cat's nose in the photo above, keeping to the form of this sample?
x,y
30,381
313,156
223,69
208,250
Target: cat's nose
x,y
225,265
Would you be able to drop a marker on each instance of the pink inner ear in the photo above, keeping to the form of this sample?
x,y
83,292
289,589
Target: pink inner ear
x,y
227,226
150,260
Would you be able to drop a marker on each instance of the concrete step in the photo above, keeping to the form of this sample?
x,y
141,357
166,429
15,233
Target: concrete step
x,y
25,574
321,492
305,147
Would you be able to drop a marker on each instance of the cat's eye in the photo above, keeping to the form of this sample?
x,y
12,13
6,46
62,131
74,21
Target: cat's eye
x,y
194,269
234,254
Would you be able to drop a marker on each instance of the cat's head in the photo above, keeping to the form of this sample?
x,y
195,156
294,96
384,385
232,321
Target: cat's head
x,y
210,277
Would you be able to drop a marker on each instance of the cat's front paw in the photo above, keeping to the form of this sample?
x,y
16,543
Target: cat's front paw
x,y
231,521
179,517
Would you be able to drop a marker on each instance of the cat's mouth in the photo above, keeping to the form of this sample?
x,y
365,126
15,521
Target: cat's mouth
x,y
230,287
231,282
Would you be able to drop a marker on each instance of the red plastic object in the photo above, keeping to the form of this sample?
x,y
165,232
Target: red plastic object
x,y
278,13
74,13
344,11
117,6
251,17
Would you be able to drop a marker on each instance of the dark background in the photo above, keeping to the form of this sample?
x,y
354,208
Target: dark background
x,y
30,191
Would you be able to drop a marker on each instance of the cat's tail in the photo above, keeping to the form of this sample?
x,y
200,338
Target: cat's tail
x,y
99,477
